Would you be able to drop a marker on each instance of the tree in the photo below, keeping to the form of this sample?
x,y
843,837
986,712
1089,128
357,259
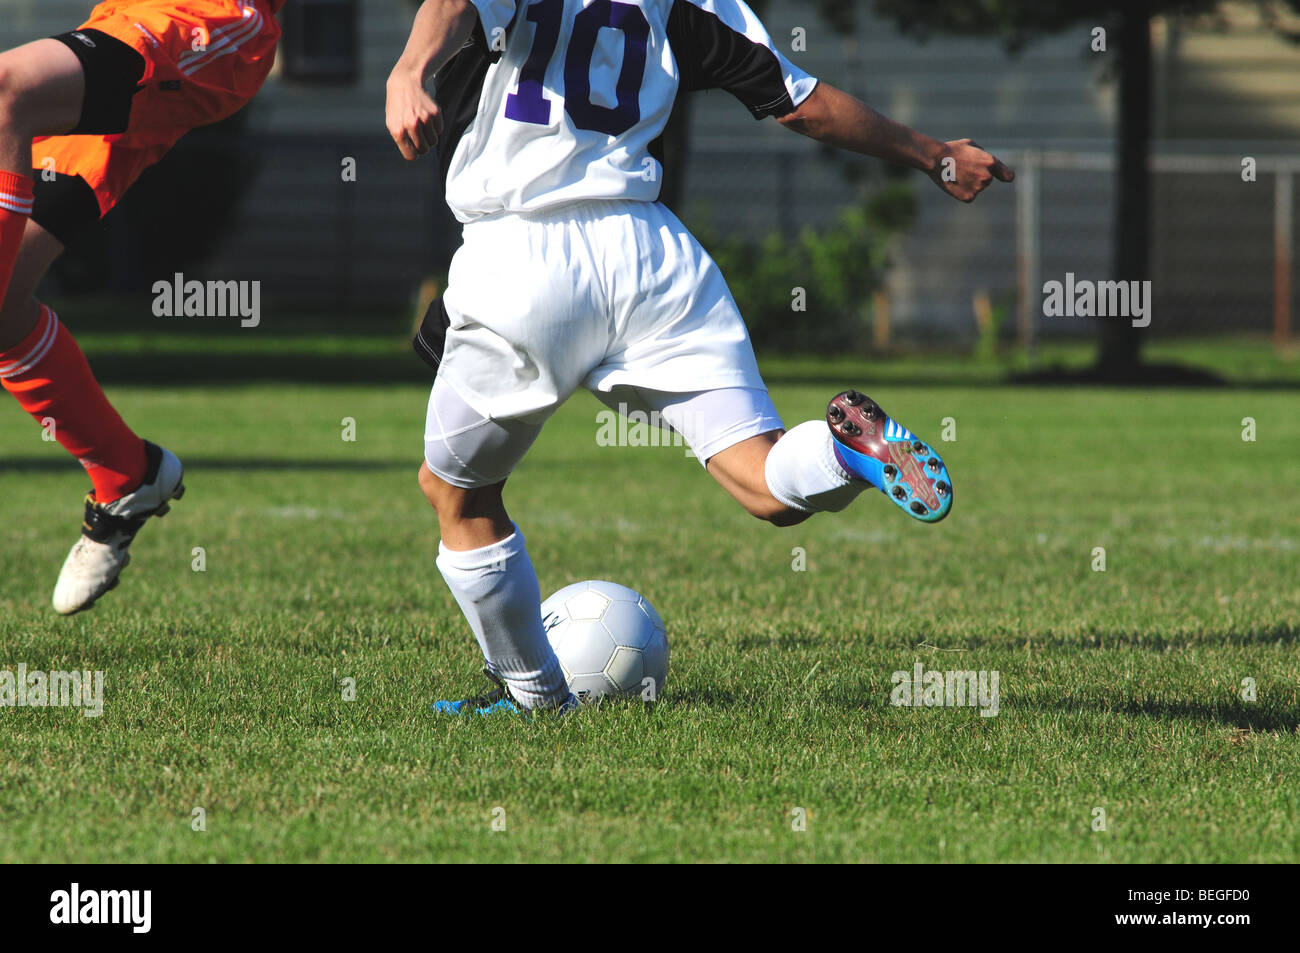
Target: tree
x,y
1128,26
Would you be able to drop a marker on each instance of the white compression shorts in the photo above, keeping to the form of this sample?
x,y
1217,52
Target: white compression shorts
x,y
468,450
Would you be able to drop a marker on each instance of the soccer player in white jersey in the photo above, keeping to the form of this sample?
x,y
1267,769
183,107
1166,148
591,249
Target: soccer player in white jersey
x,y
548,117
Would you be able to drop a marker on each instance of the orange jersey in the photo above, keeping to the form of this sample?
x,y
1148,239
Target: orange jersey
x,y
204,61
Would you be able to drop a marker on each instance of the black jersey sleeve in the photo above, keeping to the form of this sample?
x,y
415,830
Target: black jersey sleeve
x,y
721,44
458,87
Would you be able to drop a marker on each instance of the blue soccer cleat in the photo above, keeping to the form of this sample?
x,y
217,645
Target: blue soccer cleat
x,y
875,449
475,706
494,702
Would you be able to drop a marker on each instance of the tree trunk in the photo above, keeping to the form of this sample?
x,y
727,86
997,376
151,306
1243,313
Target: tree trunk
x,y
1121,344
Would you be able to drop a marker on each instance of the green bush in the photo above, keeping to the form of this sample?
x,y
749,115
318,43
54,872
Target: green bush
x,y
839,268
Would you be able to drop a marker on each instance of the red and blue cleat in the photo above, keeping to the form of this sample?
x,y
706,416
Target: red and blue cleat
x,y
874,448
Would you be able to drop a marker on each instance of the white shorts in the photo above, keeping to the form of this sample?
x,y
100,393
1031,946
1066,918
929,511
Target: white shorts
x,y
617,297
466,449
596,294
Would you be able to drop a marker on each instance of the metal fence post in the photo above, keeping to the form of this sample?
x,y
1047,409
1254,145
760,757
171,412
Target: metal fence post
x,y
1283,247
1028,251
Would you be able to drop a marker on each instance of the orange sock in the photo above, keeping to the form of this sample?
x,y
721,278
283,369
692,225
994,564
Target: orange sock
x,y
15,211
50,377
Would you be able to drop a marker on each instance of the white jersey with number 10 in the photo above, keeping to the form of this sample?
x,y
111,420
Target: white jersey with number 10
x,y
573,96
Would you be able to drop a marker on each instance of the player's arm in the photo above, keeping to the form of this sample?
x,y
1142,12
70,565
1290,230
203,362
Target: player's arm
x,y
441,29
960,168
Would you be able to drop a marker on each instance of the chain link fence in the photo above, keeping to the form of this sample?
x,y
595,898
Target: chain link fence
x,y
1221,256
1222,238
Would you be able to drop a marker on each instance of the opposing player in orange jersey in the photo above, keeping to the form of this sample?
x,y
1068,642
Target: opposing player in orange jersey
x,y
82,115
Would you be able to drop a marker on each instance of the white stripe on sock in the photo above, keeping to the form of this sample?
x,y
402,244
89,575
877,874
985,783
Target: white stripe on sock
x,y
16,203
33,357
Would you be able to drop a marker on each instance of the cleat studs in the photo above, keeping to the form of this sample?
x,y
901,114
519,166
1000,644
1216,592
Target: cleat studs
x,y
933,464
919,447
891,472
900,493
853,398
919,509
943,489
836,413
852,429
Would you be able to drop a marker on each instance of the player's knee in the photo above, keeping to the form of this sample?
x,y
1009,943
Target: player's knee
x,y
42,89
459,503
449,502
10,92
435,490
16,95
19,315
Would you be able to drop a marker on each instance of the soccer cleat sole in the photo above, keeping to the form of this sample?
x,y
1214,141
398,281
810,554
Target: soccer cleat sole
x,y
876,449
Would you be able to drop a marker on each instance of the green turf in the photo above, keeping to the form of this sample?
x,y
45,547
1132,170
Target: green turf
x,y
1120,690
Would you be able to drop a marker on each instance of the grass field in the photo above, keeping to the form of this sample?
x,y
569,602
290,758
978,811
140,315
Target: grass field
x,y
1120,690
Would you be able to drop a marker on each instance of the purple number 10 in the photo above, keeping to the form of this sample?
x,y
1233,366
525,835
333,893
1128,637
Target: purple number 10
x,y
530,104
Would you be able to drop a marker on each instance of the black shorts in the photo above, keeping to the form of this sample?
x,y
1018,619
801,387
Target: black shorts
x,y
431,339
113,75
65,204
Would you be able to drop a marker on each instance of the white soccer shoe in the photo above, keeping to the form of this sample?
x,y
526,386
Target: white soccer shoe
x,y
96,562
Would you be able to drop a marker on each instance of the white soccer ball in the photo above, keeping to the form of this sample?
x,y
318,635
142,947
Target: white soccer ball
x,y
610,640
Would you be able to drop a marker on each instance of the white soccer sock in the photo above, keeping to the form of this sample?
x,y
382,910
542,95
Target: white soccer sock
x,y
803,473
496,587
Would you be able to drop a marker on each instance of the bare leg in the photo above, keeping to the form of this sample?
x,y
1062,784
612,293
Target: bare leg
x,y
469,519
486,566
19,311
42,89
741,471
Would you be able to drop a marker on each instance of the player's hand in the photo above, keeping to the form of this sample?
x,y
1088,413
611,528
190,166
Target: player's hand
x,y
965,170
414,119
